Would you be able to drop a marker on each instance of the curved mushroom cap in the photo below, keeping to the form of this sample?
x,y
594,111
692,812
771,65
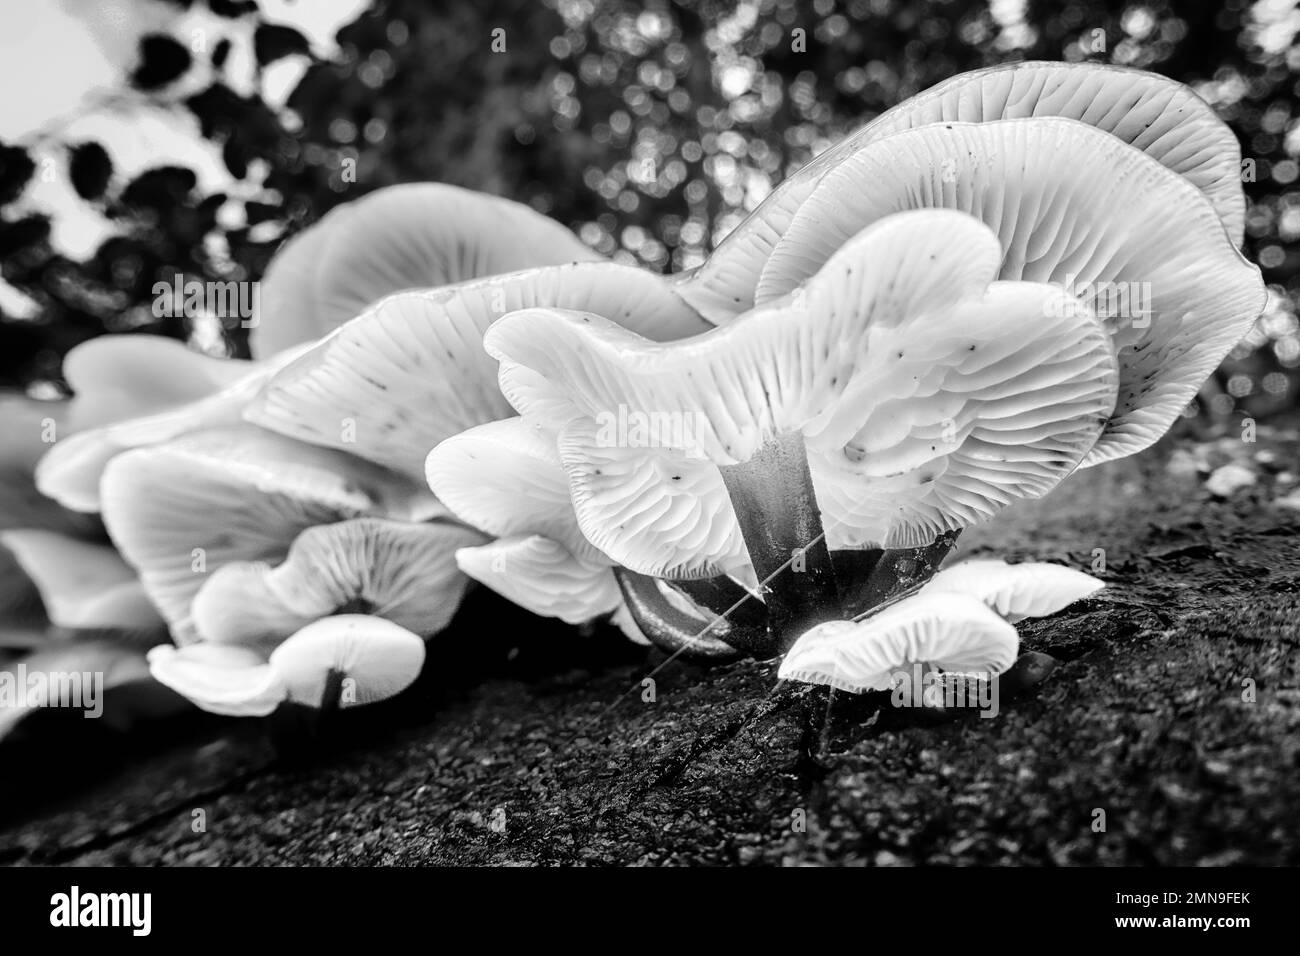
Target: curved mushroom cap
x,y
661,511
356,389
413,236
1149,112
116,377
401,571
928,398
1074,206
376,659
82,585
71,470
505,478
180,510
953,632
1016,591
119,670
544,577
219,678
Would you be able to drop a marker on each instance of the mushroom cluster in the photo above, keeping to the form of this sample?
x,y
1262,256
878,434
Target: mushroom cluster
x,y
769,455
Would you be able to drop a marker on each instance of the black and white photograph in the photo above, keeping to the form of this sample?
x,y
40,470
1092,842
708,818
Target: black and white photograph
x,y
677,434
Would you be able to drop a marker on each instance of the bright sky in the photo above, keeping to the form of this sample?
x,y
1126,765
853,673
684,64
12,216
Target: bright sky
x,y
58,55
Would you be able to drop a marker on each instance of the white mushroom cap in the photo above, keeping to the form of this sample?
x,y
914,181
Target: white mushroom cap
x,y
505,478
219,678
71,471
544,577
412,236
401,571
116,377
902,366
1016,591
357,389
1071,205
1149,112
83,585
625,497
180,510
130,390
379,658
954,632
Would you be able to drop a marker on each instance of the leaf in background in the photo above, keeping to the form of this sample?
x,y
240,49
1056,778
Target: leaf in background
x,y
272,41
90,169
16,167
219,54
17,236
232,9
161,188
162,59
235,156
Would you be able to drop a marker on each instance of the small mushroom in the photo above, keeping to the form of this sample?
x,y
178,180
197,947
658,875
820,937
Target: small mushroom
x,y
413,236
377,660
180,510
83,585
423,350
953,632
1071,205
1146,111
1016,591
402,571
370,659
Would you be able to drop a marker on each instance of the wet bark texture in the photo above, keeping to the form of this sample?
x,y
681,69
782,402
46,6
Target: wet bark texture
x,y
528,745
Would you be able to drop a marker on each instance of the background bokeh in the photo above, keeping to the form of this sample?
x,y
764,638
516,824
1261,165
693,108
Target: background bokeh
x,y
650,128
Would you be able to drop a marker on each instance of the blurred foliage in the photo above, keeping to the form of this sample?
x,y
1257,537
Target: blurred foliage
x,y
650,128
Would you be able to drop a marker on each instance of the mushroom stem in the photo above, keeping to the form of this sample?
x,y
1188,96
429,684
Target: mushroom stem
x,y
773,497
853,570
670,629
331,698
722,595
898,571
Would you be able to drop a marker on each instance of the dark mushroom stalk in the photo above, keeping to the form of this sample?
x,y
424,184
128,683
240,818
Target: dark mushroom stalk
x,y
802,583
776,506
